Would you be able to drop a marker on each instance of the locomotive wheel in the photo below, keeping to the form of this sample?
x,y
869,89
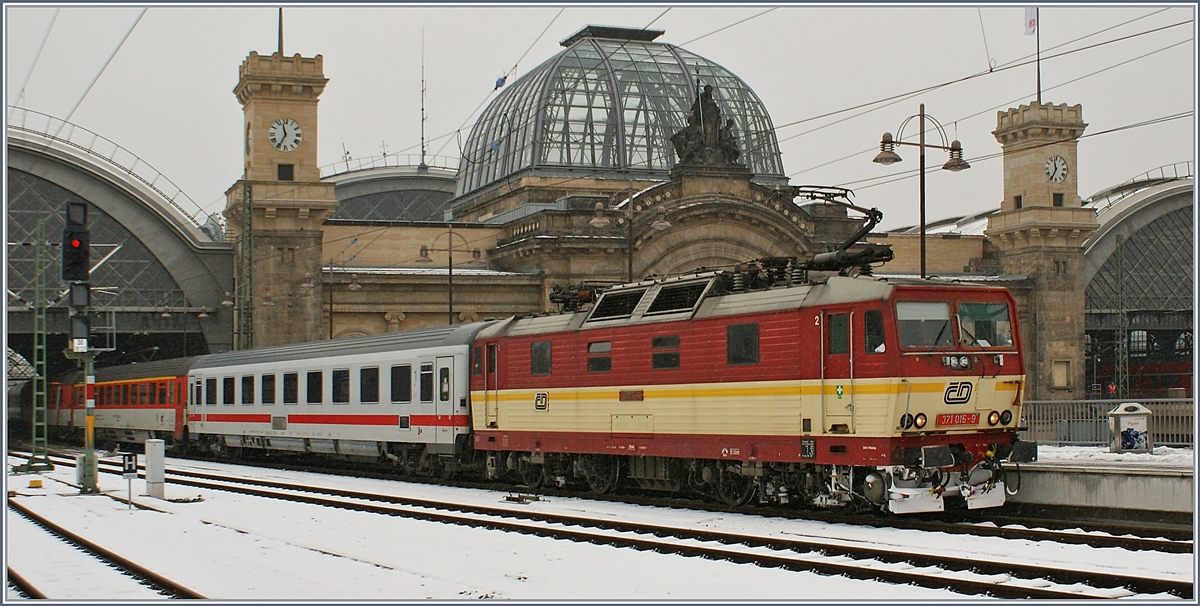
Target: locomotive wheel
x,y
601,473
531,475
733,488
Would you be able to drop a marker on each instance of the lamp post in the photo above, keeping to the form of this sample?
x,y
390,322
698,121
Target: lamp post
x,y
601,221
887,155
476,257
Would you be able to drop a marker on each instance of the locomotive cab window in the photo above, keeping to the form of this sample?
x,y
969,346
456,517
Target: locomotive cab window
x,y
313,388
402,383
838,334
984,324
477,360
924,324
873,331
664,360
341,386
291,388
539,358
368,385
741,344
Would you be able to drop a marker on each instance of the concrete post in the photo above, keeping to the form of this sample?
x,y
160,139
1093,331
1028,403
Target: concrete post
x,y
154,468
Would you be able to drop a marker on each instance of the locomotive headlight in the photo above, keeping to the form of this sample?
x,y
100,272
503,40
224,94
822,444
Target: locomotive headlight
x,y
1006,417
920,420
906,421
993,417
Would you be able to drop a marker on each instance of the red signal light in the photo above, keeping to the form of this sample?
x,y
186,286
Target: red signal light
x,y
75,243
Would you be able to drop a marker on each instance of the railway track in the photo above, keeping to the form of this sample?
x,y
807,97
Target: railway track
x,y
966,575
122,576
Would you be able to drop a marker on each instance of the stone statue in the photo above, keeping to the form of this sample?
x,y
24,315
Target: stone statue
x,y
704,140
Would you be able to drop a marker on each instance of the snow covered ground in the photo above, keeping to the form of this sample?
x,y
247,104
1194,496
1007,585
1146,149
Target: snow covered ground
x,y
1161,456
238,547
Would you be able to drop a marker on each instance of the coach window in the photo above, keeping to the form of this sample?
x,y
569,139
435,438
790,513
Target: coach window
x,y
341,386
665,360
368,385
291,388
427,382
313,388
247,389
838,334
741,344
165,393
268,389
227,391
145,391
402,383
153,393
210,392
873,331
597,363
539,358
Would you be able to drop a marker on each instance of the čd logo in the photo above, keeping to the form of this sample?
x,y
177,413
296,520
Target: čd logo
x,y
958,392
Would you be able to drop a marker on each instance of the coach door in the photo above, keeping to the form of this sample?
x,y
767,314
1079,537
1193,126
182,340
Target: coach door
x,y
444,400
491,386
837,370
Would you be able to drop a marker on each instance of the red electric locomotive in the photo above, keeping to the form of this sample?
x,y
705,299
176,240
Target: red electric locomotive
x,y
848,390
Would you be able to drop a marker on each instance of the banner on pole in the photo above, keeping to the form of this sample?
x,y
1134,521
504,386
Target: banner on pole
x,y
1031,19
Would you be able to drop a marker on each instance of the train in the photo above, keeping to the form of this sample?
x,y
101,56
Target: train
x,y
854,392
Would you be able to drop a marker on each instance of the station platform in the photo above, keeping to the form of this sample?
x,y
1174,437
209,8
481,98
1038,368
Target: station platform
x,y
1150,487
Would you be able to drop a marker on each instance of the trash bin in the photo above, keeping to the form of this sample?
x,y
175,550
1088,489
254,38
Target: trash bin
x,y
1129,428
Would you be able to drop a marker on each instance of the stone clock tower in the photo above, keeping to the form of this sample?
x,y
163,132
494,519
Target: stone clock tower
x,y
274,213
1040,230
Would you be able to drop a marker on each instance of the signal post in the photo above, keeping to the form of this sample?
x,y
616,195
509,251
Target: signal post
x,y
76,272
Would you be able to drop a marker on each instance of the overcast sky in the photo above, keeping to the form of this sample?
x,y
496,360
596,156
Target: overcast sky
x,y
167,96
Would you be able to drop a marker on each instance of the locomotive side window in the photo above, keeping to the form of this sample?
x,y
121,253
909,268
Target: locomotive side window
x,y
665,360
923,324
443,385
599,363
984,324
227,391
477,360
247,389
839,335
210,391
341,386
539,358
402,383
873,331
291,388
491,363
741,344
313,388
268,389
427,382
368,385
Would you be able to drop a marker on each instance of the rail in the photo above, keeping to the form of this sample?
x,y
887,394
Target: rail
x,y
1085,422
349,165
1104,200
44,125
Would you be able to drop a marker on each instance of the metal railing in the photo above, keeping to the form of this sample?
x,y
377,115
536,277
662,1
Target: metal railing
x,y
1085,422
1104,200
43,125
349,165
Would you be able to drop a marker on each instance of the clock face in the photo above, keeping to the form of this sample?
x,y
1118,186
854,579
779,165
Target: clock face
x,y
1056,169
285,134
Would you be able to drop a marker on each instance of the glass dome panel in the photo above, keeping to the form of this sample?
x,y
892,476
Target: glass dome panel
x,y
610,104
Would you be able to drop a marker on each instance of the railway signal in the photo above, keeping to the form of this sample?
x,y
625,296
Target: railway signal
x,y
76,244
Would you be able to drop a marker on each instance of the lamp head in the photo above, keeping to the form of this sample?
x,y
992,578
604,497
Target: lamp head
x,y
956,162
660,220
887,154
424,257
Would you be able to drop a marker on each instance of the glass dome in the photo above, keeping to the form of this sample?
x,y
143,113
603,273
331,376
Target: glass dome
x,y
607,104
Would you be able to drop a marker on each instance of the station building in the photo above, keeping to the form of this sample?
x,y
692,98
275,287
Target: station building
x,y
603,164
